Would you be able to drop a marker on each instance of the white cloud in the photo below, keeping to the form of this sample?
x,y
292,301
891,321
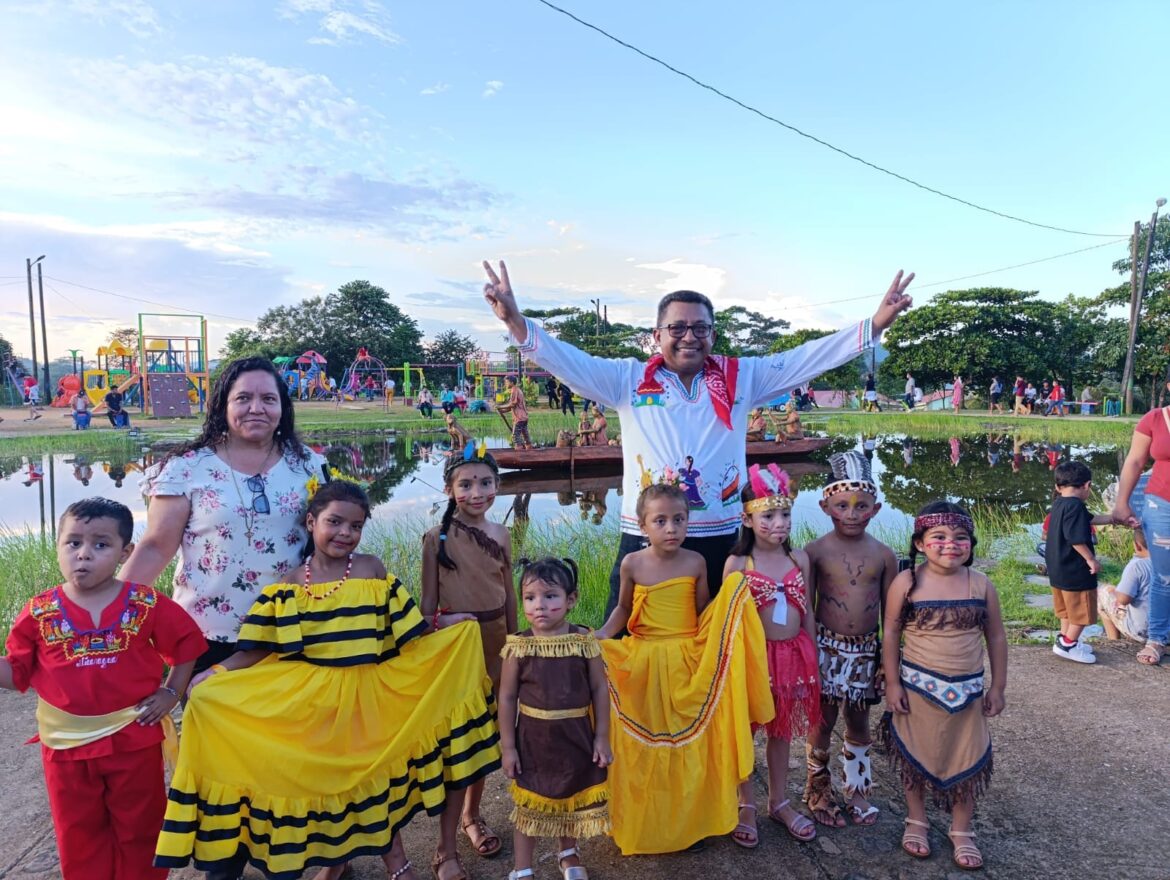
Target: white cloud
x,y
436,89
492,88
308,197
235,97
343,21
136,16
689,276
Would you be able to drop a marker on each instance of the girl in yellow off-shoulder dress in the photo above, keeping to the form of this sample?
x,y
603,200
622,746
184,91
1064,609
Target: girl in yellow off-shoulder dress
x,y
685,688
335,722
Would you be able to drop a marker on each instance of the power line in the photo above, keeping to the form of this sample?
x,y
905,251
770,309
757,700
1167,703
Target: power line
x,y
151,301
916,286
811,137
1021,265
80,307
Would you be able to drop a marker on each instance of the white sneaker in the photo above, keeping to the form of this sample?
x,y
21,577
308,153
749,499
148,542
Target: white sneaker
x,y
1078,653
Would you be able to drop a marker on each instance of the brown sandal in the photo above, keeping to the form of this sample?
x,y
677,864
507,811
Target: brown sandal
x,y
487,843
966,850
437,867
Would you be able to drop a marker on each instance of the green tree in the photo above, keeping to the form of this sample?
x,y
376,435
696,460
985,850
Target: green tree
x,y
992,331
8,361
128,336
741,332
842,378
580,327
449,347
358,314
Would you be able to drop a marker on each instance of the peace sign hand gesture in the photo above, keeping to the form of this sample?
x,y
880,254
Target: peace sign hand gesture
x,y
893,303
498,292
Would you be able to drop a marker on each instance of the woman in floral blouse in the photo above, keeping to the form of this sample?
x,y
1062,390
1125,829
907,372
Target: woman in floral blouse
x,y
230,503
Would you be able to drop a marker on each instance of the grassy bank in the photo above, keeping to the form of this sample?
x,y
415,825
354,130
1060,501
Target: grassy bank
x,y
1005,541
311,418
931,425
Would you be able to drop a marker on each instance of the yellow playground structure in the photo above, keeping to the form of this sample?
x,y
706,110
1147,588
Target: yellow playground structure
x,y
165,377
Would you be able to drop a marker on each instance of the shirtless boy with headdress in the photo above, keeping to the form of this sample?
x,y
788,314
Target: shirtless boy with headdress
x,y
851,572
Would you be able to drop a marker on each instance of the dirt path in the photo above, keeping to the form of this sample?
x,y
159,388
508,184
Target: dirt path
x,y
1081,790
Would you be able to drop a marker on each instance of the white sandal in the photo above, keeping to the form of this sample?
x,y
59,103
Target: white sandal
x,y
577,872
521,874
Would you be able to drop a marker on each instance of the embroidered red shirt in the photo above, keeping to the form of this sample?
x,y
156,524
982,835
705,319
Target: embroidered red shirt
x,y
55,649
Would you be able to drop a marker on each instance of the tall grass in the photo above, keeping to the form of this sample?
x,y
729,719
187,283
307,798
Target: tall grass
x,y
1005,540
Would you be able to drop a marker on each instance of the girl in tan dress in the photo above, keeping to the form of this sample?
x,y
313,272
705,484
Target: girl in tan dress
x,y
467,575
555,738
938,616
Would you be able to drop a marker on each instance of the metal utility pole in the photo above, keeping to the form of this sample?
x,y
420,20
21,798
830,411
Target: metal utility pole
x,y
597,322
1136,313
1134,307
32,315
45,391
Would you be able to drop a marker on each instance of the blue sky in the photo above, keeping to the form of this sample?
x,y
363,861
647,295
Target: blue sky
x,y
227,157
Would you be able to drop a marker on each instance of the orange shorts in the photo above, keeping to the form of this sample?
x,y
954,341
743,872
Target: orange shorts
x,y
1078,607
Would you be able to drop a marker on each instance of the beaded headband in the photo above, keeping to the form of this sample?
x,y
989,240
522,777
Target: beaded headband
x,y
771,489
954,520
851,473
849,486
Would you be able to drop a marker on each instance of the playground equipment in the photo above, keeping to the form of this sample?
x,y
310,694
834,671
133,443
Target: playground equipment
x,y
67,388
173,367
116,368
14,376
488,370
310,366
357,376
165,377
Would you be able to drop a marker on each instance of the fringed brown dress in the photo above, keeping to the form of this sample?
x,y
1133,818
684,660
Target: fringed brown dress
x,y
943,746
477,585
560,792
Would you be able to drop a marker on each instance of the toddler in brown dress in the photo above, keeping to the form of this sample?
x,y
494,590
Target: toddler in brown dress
x,y
554,706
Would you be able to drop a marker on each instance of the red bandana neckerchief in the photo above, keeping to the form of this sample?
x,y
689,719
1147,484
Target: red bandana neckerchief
x,y
721,374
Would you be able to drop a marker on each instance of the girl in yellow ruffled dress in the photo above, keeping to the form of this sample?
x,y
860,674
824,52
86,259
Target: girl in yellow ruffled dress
x,y
334,723
685,688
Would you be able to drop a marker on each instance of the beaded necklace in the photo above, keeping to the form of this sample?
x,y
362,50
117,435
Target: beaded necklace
x,y
340,584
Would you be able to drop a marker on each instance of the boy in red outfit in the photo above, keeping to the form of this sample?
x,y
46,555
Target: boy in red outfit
x,y
93,648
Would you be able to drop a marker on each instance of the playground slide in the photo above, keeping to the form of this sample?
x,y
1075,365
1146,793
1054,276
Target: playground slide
x,y
123,388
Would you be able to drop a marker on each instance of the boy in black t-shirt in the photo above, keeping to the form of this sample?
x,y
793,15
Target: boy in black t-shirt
x,y
1072,565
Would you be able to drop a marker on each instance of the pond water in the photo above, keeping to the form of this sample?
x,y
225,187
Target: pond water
x,y
404,473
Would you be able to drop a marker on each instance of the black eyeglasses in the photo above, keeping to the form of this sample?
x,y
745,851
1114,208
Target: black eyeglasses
x,y
678,331
259,499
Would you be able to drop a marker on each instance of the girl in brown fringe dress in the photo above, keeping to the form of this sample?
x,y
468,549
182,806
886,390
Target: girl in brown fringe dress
x,y
938,616
467,575
554,731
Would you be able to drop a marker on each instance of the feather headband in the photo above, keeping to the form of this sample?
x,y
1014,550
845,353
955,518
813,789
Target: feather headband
x,y
771,489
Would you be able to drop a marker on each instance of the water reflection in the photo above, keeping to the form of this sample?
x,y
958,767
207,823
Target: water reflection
x,y
404,475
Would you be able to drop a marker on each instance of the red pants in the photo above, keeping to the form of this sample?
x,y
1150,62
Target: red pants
x,y
108,813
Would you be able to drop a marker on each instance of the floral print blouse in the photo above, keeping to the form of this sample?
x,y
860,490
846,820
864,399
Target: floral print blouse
x,y
221,571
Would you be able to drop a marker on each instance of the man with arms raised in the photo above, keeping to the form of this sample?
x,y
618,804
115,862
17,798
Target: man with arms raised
x,y
687,403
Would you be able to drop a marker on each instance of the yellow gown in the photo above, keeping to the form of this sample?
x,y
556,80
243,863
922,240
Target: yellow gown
x,y
326,748
685,689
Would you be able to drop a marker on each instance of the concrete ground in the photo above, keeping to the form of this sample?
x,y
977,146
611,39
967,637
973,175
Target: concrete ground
x,y
1081,790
